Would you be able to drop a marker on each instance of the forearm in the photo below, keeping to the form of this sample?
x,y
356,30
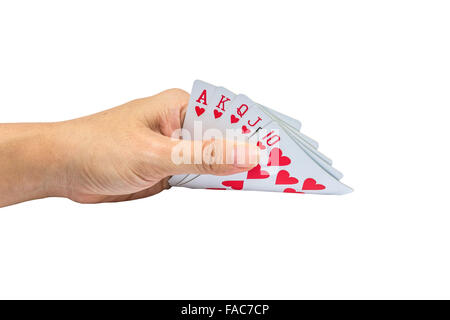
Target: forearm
x,y
30,162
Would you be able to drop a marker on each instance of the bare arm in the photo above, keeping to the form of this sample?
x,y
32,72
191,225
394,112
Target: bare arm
x,y
29,163
123,153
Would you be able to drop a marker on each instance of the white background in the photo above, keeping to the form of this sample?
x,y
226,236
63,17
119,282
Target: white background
x,y
368,79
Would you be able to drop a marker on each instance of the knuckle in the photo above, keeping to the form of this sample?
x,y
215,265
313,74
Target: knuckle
x,y
211,156
209,151
208,168
176,93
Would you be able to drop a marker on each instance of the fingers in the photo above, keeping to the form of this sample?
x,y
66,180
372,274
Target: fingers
x,y
151,191
216,157
172,156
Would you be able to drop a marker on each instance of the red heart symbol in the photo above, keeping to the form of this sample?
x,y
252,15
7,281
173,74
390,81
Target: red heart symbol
x,y
260,145
290,190
310,184
257,173
217,113
199,110
234,184
284,178
276,158
245,129
234,119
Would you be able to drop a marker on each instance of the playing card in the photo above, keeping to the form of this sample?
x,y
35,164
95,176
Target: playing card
x,y
207,109
254,117
291,122
219,108
309,147
313,154
244,118
320,158
199,107
290,161
198,110
205,96
304,138
221,102
288,169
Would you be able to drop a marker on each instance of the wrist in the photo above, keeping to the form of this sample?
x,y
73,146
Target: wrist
x,y
50,156
31,162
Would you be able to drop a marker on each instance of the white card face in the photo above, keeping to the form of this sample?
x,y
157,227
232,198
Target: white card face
x,y
288,169
239,108
221,104
304,138
253,119
200,106
316,156
245,118
215,117
243,115
308,148
219,108
217,100
296,136
200,109
293,123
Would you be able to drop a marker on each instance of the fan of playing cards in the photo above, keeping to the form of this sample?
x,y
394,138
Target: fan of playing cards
x,y
289,162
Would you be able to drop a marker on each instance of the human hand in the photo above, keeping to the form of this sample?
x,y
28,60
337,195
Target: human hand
x,y
123,153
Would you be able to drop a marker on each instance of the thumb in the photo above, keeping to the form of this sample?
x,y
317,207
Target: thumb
x,y
216,157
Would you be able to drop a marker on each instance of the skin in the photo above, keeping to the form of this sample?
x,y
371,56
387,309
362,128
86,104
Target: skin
x,y
123,153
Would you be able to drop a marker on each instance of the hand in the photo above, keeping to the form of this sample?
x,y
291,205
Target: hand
x,y
119,154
